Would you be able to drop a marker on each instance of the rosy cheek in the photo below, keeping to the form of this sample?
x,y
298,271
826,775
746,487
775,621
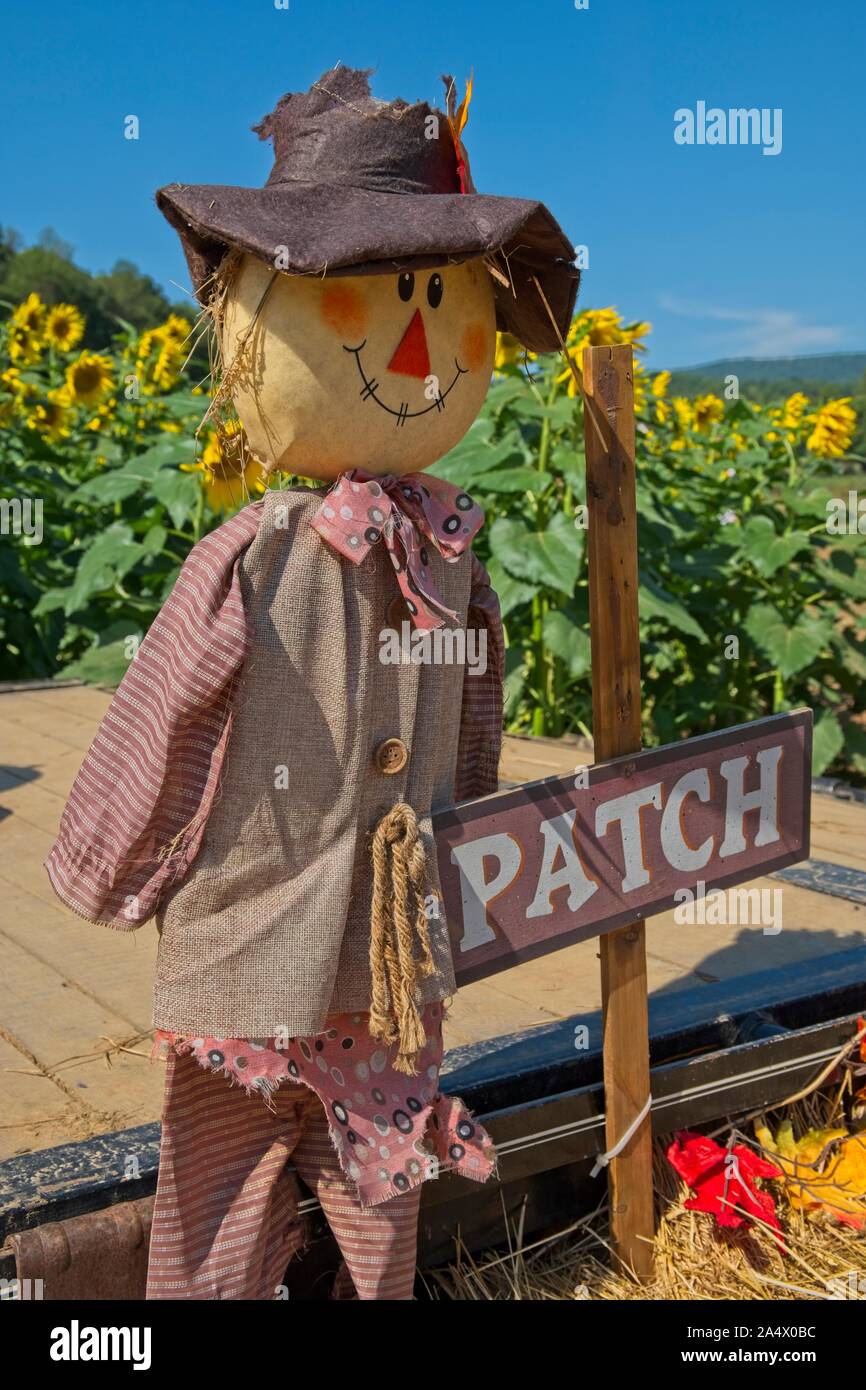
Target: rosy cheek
x,y
474,346
343,308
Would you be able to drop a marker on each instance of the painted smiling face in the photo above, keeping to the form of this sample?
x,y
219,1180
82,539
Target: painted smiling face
x,y
383,372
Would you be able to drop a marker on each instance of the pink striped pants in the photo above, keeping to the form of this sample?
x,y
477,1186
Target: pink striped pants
x,y
225,1220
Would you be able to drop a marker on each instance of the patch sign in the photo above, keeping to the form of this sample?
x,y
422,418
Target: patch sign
x,y
527,871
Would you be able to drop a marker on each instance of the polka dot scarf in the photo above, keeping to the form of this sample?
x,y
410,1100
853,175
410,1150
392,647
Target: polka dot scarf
x,y
361,509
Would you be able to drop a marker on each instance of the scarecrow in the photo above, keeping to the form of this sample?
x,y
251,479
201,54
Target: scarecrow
x,y
263,782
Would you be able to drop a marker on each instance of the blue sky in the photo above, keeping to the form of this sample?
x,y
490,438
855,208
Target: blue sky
x,y
726,251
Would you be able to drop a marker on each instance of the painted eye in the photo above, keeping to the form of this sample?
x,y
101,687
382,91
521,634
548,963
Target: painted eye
x,y
434,291
406,285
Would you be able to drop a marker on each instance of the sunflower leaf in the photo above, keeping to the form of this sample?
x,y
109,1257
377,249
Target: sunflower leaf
x,y
109,558
553,556
656,602
828,741
791,646
512,592
569,641
178,492
766,549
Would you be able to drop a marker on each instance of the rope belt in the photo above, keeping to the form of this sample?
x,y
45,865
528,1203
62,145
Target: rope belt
x,y
397,919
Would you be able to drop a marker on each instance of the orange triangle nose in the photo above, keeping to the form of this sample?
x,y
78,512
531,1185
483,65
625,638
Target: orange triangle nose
x,y
412,357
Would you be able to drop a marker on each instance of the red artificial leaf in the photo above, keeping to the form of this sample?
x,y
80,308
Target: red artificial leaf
x,y
857,1071
723,1180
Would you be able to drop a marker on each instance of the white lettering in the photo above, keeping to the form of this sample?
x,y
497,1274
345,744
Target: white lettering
x,y
476,891
626,809
558,834
677,850
739,802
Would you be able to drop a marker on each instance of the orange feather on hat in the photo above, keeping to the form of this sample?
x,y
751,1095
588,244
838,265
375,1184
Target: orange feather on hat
x,y
457,118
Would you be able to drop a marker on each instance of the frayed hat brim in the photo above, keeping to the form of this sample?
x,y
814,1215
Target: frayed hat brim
x,y
326,229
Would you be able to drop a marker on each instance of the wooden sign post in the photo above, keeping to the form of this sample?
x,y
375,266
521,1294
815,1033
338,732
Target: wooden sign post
x,y
616,729
527,871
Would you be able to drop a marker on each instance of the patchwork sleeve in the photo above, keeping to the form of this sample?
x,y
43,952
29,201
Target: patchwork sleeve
x,y
480,743
137,810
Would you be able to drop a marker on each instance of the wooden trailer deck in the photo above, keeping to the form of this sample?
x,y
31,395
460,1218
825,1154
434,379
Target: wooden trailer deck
x,y
75,998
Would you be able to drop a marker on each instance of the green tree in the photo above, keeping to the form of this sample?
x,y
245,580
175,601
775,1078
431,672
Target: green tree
x,y
48,270
56,280
132,295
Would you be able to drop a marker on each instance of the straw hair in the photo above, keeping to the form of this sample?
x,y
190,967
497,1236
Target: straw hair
x,y
221,416
397,916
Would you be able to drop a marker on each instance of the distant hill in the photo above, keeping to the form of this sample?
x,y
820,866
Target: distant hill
x,y
827,369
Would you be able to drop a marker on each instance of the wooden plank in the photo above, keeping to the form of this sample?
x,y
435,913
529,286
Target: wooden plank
x,y
47,720
83,701
36,1113
112,968
526,759
839,831
23,848
67,1035
616,729
36,800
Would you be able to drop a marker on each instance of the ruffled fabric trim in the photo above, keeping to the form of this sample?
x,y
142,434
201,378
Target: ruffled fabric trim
x,y
389,1136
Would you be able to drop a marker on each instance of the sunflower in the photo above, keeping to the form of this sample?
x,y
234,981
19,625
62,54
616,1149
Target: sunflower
x,y
49,417
640,382
707,409
64,327
683,412
176,329
659,387
832,428
25,347
792,411
598,328
104,414
30,314
229,474
11,381
509,352
790,417
736,443
159,355
88,378
146,343
601,327
166,369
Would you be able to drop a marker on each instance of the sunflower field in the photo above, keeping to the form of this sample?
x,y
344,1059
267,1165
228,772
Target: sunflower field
x,y
752,600
105,486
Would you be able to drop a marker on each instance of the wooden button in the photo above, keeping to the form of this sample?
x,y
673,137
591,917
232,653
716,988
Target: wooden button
x,y
397,612
391,756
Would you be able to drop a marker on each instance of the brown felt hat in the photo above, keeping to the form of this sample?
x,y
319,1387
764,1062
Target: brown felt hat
x,y
363,187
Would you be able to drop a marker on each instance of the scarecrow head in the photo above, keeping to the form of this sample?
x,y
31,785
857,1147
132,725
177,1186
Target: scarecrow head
x,y
357,295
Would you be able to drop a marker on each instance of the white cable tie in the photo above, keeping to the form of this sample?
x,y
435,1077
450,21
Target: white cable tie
x,y
602,1160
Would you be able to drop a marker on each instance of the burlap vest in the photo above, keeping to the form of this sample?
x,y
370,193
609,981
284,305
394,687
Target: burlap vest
x,y
270,929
